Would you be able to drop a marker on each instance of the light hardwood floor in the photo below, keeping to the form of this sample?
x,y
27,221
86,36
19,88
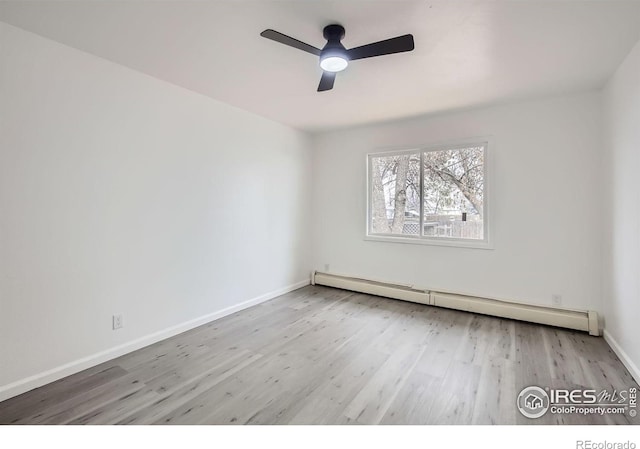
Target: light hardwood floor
x,y
327,356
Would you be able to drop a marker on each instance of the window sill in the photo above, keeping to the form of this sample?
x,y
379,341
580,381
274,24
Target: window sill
x,y
457,243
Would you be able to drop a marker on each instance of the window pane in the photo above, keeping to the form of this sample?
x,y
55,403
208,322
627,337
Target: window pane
x,y
454,193
395,194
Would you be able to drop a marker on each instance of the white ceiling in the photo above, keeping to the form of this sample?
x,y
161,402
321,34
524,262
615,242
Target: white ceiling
x,y
468,53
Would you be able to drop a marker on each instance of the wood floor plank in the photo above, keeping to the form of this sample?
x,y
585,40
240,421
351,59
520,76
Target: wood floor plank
x,y
320,355
39,400
442,342
280,395
455,402
79,403
163,410
113,411
496,396
328,403
414,401
375,398
533,359
563,365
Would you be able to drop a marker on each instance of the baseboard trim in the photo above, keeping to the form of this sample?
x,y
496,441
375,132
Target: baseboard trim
x,y
27,384
623,356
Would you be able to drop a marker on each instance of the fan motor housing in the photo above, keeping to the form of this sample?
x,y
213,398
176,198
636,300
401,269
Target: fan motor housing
x,y
333,32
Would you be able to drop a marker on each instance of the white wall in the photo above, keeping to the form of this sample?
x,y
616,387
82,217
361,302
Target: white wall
x,y
545,200
622,209
120,193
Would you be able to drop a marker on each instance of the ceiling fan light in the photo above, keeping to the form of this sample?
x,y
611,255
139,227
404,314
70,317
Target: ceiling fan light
x,y
333,63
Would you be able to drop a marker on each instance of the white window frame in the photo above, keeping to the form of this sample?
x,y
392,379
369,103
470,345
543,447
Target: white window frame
x,y
485,243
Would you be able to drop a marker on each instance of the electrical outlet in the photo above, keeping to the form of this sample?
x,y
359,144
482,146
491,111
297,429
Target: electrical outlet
x,y
556,300
326,267
117,322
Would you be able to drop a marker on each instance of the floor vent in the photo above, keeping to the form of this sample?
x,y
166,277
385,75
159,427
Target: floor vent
x,y
586,321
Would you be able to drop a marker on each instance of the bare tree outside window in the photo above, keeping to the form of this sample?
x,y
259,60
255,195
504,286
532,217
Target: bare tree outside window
x,y
452,194
395,194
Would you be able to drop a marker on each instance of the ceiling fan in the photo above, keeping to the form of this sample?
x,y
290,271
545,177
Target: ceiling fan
x,y
334,57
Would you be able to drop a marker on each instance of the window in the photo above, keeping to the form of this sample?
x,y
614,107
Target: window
x,y
429,195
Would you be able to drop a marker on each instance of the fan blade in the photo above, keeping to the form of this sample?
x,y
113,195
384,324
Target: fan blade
x,y
326,82
394,45
291,42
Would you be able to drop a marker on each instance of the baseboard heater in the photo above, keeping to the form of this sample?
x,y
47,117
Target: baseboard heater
x,y
586,321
